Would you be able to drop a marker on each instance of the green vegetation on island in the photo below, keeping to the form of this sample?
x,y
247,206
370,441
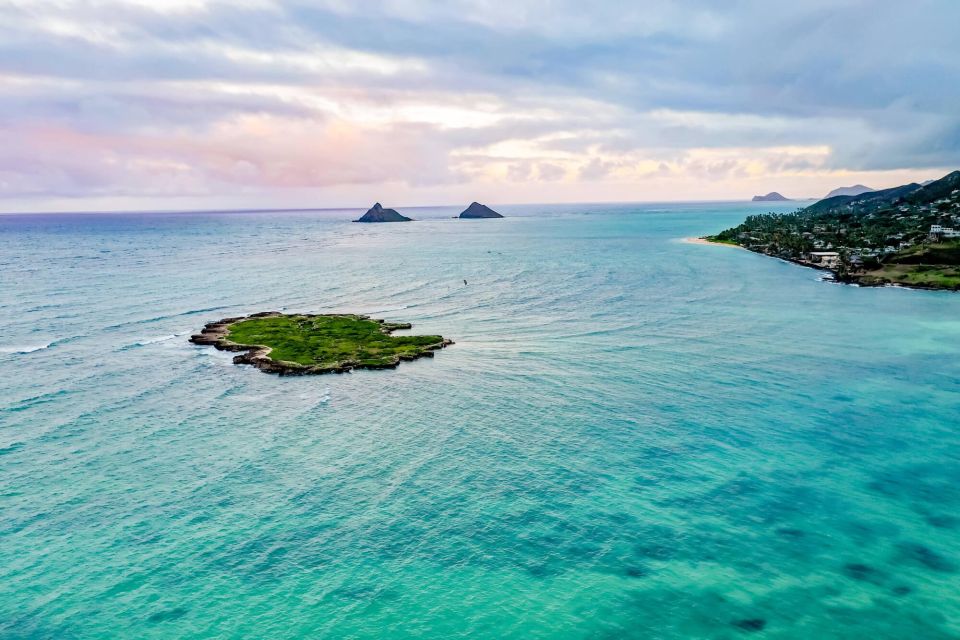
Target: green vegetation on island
x,y
908,235
308,344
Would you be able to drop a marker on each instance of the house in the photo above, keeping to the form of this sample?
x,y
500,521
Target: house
x,y
938,231
829,259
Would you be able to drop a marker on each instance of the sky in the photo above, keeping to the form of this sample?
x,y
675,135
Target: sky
x,y
179,104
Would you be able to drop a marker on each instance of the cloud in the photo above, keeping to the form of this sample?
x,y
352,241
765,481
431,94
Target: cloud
x,y
205,96
519,172
550,172
596,169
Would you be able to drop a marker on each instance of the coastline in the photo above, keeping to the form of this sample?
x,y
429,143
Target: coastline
x,y
853,280
695,240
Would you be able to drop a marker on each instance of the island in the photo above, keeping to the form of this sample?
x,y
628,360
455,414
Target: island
x,y
377,213
773,196
905,236
477,211
855,190
305,344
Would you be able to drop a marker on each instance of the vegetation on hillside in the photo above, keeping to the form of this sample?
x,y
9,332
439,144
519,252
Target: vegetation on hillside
x,y
903,235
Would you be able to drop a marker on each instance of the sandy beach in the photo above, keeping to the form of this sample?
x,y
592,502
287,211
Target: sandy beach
x,y
718,244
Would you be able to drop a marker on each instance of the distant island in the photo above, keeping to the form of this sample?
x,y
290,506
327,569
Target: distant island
x,y
855,190
773,196
304,344
477,210
377,213
907,236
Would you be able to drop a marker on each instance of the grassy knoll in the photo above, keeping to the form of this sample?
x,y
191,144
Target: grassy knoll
x,y
331,341
940,253
933,265
915,275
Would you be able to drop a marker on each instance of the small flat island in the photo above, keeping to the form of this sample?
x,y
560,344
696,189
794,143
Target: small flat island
x,y
305,344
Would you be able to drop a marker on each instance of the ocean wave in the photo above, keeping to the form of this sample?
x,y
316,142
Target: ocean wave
x,y
26,349
16,446
43,398
190,312
148,341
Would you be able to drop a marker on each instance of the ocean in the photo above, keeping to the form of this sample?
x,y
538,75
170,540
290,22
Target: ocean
x,y
633,436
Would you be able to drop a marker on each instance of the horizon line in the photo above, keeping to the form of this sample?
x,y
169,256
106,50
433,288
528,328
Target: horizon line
x,y
363,208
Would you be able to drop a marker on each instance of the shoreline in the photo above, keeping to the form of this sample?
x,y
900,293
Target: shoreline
x,y
695,240
257,355
853,281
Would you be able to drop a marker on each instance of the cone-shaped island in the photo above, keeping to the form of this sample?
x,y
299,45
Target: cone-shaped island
x,y
304,344
477,210
377,213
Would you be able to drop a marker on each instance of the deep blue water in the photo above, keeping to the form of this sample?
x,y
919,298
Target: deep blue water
x,y
633,437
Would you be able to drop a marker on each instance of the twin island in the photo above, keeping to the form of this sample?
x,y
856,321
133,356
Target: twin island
x,y
305,344
377,213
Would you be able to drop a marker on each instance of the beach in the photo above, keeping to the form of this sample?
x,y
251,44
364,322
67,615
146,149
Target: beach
x,y
696,240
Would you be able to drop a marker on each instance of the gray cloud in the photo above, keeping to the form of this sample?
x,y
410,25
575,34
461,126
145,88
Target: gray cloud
x,y
520,172
878,84
549,172
596,169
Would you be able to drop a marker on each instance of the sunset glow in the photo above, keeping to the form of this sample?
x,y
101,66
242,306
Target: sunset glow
x,y
205,103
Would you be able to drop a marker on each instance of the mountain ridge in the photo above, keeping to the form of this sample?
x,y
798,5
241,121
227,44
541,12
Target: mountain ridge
x,y
855,190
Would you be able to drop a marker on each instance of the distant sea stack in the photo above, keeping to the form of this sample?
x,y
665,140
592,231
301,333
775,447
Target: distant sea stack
x,y
773,196
855,190
477,210
378,214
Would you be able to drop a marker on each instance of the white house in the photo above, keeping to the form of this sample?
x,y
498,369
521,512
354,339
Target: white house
x,y
940,231
828,259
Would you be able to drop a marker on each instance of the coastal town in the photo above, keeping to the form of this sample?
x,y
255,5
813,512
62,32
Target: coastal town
x,y
909,235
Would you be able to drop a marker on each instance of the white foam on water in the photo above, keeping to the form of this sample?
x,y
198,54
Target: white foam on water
x,y
25,350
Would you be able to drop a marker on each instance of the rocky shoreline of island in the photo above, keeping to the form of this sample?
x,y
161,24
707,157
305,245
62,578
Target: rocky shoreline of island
x,y
216,334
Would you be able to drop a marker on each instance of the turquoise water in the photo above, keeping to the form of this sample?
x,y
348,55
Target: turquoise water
x,y
633,437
